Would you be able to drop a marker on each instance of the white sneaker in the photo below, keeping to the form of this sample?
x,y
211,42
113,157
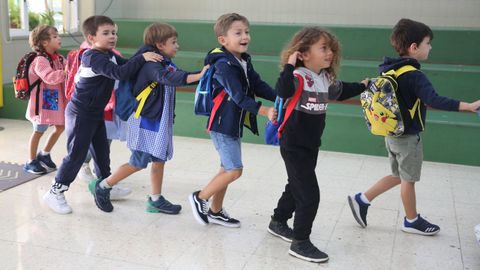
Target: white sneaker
x,y
119,192
57,203
85,173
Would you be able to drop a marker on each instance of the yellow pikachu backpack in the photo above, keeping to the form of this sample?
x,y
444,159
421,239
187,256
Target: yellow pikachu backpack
x,y
380,104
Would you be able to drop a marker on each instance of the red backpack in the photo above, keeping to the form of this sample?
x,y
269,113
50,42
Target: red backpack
x,y
74,59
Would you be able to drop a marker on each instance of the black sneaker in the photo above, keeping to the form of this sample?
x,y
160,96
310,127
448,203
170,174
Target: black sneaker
x,y
305,250
34,167
420,226
359,209
102,197
199,208
46,162
280,229
222,218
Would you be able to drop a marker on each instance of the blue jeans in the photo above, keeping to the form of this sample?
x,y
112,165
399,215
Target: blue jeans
x,y
141,159
229,149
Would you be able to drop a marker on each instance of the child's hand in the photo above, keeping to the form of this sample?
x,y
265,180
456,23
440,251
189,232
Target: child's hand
x,y
475,106
272,114
152,57
292,59
469,107
204,69
195,77
365,82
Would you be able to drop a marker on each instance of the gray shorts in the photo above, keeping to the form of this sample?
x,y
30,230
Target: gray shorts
x,y
406,156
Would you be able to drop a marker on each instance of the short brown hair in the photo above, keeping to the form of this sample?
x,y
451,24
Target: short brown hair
x,y
304,39
406,32
158,33
40,34
91,24
225,21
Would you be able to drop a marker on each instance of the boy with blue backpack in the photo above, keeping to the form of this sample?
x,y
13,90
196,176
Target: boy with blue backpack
x,y
150,124
85,125
235,85
411,39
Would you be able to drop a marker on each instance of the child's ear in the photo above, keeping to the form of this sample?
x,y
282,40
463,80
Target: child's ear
x,y
159,45
302,56
413,47
90,39
44,43
221,40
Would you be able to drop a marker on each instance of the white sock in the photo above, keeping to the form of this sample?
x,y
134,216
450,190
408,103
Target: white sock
x,y
104,184
43,153
412,220
155,197
364,198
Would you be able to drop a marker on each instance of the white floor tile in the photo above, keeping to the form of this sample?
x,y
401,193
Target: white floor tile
x,y
33,237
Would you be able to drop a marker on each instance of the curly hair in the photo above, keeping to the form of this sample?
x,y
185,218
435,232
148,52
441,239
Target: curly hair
x,y
40,34
304,39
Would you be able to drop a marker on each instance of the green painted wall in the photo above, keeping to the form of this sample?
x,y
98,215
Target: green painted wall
x,y
454,69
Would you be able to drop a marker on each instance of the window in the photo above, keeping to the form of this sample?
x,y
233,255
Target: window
x,y
24,15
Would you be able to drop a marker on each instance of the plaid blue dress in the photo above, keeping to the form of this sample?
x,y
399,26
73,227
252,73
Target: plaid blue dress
x,y
154,136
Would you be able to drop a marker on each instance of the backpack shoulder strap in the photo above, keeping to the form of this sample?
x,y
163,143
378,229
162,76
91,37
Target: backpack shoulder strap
x,y
416,106
292,103
142,97
403,70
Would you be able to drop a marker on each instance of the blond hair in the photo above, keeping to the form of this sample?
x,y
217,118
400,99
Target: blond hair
x,y
40,34
158,33
225,21
304,39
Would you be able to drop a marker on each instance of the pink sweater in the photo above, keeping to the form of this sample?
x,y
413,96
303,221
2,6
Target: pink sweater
x,y
51,108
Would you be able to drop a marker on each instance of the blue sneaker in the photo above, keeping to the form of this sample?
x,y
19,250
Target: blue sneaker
x,y
420,226
46,162
359,209
34,167
102,197
162,205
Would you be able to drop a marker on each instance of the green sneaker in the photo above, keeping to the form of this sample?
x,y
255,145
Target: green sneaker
x,y
91,186
162,205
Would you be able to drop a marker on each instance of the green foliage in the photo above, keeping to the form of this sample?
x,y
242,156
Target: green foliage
x,y
14,13
33,20
47,17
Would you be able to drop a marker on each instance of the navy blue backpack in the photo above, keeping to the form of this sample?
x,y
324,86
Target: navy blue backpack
x,y
203,104
126,102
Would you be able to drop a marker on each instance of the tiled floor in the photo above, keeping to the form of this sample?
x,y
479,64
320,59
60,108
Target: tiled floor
x,y
33,237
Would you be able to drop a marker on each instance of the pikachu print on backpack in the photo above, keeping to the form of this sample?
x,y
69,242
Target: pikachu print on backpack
x,y
380,104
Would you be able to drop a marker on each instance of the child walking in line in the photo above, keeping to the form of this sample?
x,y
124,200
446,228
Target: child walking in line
x,y
235,84
84,114
310,60
412,41
49,109
150,134
115,127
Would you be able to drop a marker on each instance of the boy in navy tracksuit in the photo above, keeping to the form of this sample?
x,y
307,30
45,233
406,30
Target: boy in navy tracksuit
x,y
411,40
235,86
85,124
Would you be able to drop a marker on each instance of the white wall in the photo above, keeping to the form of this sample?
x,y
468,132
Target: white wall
x,y
436,13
